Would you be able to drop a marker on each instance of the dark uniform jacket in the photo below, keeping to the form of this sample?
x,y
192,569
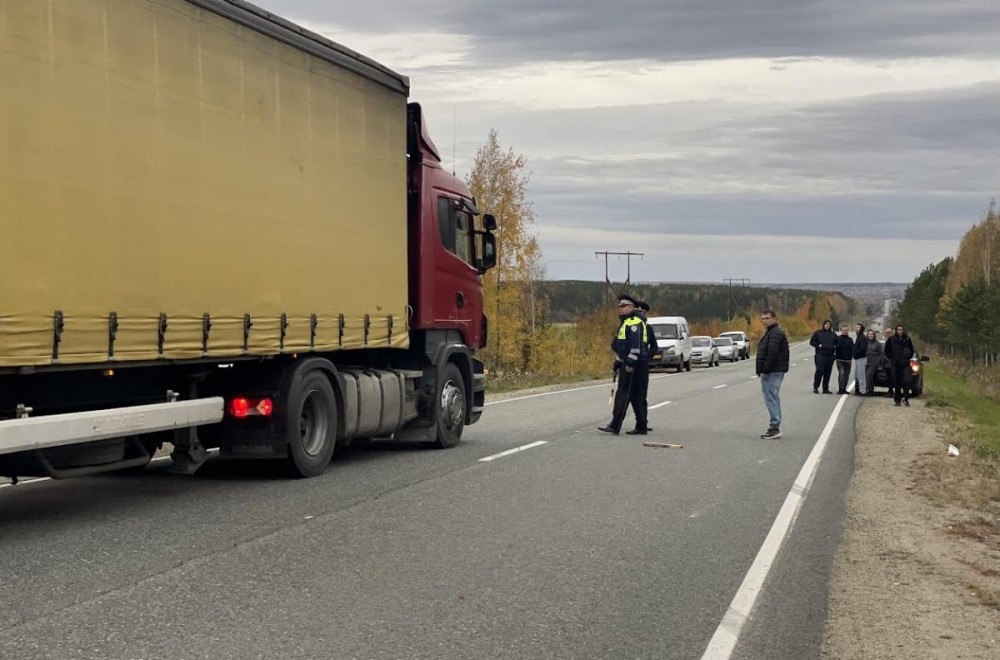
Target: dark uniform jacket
x,y
631,344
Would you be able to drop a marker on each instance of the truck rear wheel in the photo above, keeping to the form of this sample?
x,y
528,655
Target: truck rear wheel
x,y
451,407
311,425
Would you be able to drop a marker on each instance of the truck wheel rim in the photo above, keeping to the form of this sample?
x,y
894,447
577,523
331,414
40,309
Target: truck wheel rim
x,y
313,424
452,405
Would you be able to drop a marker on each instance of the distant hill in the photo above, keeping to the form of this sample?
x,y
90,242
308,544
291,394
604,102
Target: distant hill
x,y
570,300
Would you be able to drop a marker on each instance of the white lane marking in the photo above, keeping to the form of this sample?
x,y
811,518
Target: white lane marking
x,y
723,642
512,451
660,405
719,387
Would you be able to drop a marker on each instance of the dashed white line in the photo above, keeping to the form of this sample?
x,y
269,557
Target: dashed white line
x,y
723,642
486,459
719,387
660,405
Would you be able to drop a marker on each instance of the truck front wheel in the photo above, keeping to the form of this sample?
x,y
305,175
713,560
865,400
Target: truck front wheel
x,y
451,405
311,424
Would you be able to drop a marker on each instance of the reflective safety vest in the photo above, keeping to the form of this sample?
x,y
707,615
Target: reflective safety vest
x,y
632,342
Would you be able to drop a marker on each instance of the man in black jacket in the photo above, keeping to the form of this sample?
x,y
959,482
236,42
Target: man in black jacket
x,y
825,343
860,360
772,365
845,356
899,351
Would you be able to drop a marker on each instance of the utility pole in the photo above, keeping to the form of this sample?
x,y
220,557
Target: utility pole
x,y
628,279
745,283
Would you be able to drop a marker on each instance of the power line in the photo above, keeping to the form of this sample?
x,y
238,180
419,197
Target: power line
x,y
628,279
745,284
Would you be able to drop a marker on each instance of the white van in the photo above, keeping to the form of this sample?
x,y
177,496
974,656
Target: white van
x,y
674,338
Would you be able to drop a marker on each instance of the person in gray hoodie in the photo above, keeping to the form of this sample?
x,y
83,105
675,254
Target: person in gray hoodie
x,y
872,358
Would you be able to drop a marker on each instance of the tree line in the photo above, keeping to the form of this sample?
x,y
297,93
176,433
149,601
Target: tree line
x,y
955,303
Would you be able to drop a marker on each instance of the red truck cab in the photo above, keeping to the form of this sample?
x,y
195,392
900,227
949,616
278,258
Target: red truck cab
x,y
448,255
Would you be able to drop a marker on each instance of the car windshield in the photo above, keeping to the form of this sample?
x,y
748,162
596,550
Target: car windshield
x,y
665,330
735,336
724,341
701,342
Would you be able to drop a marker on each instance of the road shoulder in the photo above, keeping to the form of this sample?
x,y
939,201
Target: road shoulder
x,y
908,580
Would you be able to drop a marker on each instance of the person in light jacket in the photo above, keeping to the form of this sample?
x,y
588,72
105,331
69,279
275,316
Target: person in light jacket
x,y
860,360
872,358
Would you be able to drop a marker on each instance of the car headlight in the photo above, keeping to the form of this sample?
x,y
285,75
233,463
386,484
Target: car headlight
x,y
669,351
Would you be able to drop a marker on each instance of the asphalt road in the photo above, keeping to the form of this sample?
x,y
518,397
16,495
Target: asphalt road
x,y
586,546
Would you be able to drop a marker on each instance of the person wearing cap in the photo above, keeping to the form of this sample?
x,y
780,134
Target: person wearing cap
x,y
651,346
631,345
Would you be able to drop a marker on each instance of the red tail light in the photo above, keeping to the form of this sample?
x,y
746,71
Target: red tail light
x,y
242,407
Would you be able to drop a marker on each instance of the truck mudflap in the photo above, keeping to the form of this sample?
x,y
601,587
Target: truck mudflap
x,y
478,391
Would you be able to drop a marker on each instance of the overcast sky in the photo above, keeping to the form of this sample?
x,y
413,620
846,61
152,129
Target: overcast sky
x,y
780,140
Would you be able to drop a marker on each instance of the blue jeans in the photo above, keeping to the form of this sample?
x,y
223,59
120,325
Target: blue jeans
x,y
770,385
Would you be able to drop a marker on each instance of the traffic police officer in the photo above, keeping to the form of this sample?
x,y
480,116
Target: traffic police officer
x,y
631,344
652,347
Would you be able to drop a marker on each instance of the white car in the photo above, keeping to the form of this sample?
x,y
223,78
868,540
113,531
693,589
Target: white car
x,y
742,341
703,351
728,350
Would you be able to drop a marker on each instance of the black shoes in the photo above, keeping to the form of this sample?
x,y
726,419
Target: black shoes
x,y
637,432
906,402
815,390
608,429
771,433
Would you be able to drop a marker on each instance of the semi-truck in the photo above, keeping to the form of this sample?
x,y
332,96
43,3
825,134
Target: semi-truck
x,y
220,230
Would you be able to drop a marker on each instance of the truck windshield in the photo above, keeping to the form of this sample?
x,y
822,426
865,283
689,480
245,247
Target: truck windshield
x,y
665,330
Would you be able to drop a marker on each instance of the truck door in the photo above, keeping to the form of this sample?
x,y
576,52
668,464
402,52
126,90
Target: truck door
x,y
458,300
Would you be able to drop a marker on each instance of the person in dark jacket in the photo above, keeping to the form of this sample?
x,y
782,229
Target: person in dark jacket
x,y
642,310
860,360
825,343
873,355
772,365
632,347
899,350
845,355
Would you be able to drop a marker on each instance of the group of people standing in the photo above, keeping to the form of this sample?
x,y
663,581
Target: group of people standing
x,y
864,352
634,343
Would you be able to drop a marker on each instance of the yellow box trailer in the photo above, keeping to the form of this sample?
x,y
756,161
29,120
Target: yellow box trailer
x,y
174,184
214,219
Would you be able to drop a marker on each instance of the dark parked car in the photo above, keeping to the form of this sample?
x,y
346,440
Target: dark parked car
x,y
883,374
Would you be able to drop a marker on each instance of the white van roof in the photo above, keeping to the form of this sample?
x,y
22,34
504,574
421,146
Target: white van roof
x,y
666,319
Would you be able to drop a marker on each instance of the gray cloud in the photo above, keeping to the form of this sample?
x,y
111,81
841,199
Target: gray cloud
x,y
915,165
671,30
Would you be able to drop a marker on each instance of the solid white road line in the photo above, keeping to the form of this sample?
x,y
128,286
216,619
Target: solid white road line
x,y
660,405
723,642
512,451
719,387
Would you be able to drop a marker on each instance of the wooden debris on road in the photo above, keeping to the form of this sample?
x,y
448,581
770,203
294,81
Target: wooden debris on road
x,y
662,445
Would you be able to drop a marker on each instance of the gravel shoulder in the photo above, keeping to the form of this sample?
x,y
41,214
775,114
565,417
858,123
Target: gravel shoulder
x,y
917,574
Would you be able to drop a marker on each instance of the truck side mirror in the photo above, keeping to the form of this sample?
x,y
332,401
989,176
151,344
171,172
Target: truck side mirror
x,y
488,253
489,222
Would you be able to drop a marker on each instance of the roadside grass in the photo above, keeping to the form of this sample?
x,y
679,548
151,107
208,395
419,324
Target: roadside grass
x,y
977,414
970,420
